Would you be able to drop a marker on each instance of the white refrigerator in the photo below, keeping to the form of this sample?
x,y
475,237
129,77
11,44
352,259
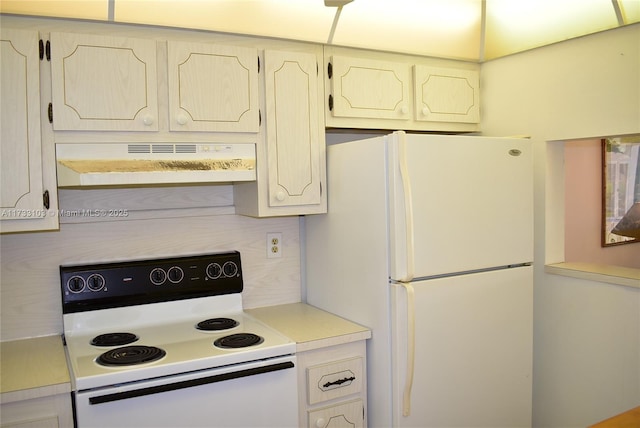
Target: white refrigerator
x,y
428,240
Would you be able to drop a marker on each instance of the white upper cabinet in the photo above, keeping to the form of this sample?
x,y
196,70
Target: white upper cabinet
x,y
370,88
212,88
102,83
109,83
291,156
446,94
21,156
293,123
27,185
381,90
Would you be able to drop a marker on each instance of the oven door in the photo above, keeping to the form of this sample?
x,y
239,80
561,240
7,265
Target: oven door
x,y
259,393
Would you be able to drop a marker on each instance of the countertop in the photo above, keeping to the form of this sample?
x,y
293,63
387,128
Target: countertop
x,y
629,419
310,327
33,368
37,367
618,275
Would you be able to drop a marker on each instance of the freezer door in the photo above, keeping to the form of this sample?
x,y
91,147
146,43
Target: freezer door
x,y
459,203
472,354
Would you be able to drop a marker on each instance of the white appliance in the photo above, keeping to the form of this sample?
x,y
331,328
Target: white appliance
x,y
429,241
165,343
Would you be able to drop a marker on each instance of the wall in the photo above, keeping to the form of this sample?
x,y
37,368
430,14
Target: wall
x,y
586,333
583,209
30,284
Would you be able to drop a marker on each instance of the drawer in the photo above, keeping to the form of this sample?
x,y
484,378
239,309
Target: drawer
x,y
334,380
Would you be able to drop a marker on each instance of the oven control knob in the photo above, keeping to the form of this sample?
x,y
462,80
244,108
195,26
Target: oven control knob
x,y
75,284
175,274
95,282
158,276
230,269
214,270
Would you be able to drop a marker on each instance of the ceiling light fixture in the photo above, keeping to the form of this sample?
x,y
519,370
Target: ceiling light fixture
x,y
336,3
617,7
339,4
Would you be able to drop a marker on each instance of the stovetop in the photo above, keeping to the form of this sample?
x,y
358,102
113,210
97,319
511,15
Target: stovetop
x,y
187,349
169,325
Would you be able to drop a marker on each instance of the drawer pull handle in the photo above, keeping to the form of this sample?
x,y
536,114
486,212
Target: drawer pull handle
x,y
339,381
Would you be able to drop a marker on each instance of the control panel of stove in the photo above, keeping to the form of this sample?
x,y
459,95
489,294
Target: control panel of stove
x,y
126,283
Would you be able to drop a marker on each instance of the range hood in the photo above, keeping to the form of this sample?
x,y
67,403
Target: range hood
x,y
124,164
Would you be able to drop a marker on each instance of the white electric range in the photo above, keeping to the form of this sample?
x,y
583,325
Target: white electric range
x,y
165,343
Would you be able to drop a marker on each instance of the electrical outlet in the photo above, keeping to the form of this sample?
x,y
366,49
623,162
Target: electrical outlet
x,y
274,245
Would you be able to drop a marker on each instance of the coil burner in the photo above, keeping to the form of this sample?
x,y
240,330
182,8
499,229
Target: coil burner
x,y
239,340
130,355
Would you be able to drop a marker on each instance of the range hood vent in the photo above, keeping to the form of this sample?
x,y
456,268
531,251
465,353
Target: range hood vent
x,y
162,148
121,164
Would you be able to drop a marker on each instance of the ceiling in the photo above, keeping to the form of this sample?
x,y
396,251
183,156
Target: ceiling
x,y
473,30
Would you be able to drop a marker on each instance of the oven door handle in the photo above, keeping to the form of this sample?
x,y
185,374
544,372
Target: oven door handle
x,y
99,399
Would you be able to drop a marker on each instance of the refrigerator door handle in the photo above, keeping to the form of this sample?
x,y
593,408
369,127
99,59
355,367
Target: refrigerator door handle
x,y
411,339
408,212
408,206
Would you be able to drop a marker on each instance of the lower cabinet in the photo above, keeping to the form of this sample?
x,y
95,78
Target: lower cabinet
x,y
342,415
333,386
43,412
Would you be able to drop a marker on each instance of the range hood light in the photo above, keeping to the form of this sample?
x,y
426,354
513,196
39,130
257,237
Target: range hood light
x,y
122,164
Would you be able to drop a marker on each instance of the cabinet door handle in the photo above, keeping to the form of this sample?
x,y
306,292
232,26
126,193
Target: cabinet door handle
x,y
148,120
150,390
182,119
339,381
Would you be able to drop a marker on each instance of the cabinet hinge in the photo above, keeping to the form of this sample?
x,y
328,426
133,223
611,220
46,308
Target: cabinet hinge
x,y
44,49
50,112
45,199
330,70
330,102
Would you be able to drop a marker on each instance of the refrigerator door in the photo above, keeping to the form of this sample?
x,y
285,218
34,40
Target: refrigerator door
x,y
473,350
459,204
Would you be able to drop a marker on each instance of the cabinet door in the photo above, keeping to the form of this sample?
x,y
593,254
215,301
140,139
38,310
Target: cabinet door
x,y
446,95
346,415
212,88
294,150
366,88
103,83
21,192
